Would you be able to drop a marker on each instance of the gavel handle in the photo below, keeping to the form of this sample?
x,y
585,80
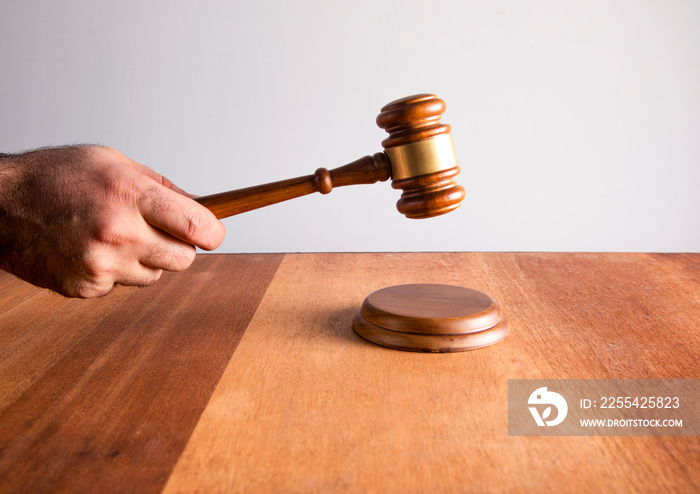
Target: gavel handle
x,y
367,170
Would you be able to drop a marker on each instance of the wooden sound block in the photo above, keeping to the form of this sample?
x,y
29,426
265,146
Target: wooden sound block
x,y
430,318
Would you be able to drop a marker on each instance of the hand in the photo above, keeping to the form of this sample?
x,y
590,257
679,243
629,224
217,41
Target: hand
x,y
79,220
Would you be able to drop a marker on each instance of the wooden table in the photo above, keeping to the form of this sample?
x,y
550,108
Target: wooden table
x,y
243,374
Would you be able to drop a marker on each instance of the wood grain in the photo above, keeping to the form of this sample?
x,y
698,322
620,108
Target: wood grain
x,y
102,395
307,406
138,392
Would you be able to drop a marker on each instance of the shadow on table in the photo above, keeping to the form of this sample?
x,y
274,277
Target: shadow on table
x,y
338,326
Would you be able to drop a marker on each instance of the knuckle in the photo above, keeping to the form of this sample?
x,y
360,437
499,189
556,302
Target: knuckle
x,y
104,155
108,151
94,291
194,220
96,268
86,273
112,232
86,288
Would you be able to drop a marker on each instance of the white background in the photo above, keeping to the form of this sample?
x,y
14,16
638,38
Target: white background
x,y
577,124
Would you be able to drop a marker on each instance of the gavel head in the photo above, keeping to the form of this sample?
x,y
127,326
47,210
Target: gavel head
x,y
421,155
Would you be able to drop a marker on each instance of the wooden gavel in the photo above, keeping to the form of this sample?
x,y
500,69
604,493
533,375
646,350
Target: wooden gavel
x,y
419,157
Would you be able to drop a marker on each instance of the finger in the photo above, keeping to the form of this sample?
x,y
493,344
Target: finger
x,y
181,217
137,274
166,206
162,251
102,269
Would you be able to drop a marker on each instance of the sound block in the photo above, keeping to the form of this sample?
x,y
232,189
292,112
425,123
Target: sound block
x,y
430,318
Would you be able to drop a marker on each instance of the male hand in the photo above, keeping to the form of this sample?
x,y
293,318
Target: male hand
x,y
79,220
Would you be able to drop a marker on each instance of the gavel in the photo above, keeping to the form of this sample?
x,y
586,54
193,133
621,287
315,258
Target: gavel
x,y
419,157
